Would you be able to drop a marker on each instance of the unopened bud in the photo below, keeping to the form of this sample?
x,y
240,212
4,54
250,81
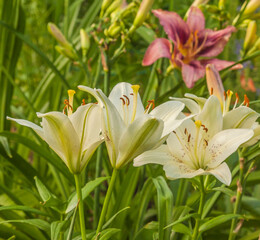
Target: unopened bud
x,y
57,34
221,4
66,52
197,3
214,83
251,6
113,30
85,42
104,6
116,4
250,35
141,15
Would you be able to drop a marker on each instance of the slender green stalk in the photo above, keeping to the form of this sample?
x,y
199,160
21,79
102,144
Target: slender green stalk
x,y
81,206
179,193
202,200
107,201
97,189
240,189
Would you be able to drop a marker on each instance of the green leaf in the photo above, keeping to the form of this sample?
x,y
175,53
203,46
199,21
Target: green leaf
x,y
217,221
56,228
69,236
181,228
38,223
49,200
165,203
251,204
107,234
224,190
113,217
5,144
182,219
86,190
51,158
152,225
23,208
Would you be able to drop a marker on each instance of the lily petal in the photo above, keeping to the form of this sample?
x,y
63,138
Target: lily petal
x,y
224,143
211,116
241,117
83,120
222,173
113,125
200,100
178,145
174,170
29,124
159,48
160,155
220,64
140,136
192,72
255,138
61,136
175,27
120,91
190,104
196,20
168,112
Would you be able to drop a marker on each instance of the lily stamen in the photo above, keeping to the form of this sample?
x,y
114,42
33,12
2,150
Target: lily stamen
x,y
246,101
135,95
67,106
236,102
127,100
149,105
71,96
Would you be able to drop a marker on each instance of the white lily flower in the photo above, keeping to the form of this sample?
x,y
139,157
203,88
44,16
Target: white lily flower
x,y
128,128
237,117
198,148
74,137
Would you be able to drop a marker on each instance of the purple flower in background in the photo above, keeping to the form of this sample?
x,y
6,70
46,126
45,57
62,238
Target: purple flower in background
x,y
194,46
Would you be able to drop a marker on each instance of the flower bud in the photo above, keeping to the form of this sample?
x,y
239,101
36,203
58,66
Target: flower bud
x,y
214,83
141,15
250,35
66,52
251,6
113,30
57,34
197,3
104,6
221,4
85,42
113,7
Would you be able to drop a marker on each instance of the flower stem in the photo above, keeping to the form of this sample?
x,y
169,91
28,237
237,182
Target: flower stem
x,y
240,186
81,206
107,200
202,199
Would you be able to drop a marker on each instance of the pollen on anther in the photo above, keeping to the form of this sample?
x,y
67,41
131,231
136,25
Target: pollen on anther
x,y
83,102
185,131
246,100
189,138
127,100
123,100
211,91
206,142
225,95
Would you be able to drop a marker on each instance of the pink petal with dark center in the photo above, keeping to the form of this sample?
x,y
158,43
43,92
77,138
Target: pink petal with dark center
x,y
196,20
159,48
192,72
175,27
220,64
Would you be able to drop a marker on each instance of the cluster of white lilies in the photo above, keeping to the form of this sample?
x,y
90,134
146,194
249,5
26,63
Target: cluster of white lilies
x,y
197,143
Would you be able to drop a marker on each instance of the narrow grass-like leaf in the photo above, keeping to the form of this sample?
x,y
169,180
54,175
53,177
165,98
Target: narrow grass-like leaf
x,y
86,190
51,158
39,223
217,221
113,217
24,209
165,204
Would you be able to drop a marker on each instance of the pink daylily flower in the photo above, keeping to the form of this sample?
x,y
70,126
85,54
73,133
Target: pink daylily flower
x,y
194,46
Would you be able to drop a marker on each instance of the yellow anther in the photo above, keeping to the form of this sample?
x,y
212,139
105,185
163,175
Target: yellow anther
x,y
71,95
198,123
135,95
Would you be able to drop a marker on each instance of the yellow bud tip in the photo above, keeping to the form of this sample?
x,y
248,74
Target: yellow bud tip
x,y
135,88
198,123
